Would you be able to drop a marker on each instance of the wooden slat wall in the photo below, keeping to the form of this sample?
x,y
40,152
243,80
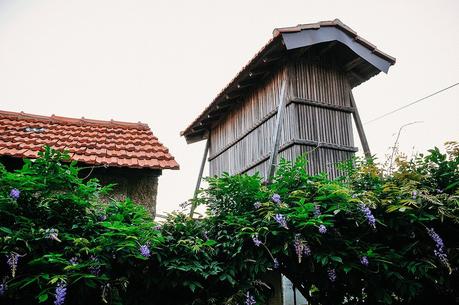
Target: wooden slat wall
x,y
314,81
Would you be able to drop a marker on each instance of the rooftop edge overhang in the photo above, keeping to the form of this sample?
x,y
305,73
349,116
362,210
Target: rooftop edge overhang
x,y
333,32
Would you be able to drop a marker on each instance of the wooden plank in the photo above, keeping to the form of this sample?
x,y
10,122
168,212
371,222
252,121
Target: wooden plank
x,y
201,171
359,126
278,129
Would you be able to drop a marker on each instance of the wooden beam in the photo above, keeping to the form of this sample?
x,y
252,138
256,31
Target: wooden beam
x,y
359,126
303,101
277,130
201,171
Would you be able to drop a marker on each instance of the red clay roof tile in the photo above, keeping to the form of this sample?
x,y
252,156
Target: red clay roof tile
x,y
110,143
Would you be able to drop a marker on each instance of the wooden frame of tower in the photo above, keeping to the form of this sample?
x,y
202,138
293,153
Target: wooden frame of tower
x,y
294,96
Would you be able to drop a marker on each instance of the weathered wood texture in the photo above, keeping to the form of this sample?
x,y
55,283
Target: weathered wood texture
x,y
317,119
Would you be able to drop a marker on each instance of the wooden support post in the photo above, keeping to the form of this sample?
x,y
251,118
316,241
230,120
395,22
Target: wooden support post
x,y
201,171
277,130
360,130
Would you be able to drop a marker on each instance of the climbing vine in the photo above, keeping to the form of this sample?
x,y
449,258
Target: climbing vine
x,y
364,238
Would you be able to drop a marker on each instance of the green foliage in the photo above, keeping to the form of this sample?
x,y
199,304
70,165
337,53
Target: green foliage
x,y
220,258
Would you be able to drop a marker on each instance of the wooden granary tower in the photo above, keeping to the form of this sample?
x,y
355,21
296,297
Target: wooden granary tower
x,y
294,96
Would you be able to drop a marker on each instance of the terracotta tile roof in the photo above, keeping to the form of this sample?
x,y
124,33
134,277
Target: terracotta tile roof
x,y
110,143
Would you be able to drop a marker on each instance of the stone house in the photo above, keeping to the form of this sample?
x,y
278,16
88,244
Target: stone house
x,y
127,154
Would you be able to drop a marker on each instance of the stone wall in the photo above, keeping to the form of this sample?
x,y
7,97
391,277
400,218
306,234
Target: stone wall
x,y
140,185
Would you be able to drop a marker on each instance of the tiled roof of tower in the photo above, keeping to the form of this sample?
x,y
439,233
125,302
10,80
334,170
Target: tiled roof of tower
x,y
109,143
272,53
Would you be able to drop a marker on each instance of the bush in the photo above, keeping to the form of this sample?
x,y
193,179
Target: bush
x,y
365,238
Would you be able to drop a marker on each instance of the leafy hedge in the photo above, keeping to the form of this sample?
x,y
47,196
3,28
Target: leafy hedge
x,y
366,238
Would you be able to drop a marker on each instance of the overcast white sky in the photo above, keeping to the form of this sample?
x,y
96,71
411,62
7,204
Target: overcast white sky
x,y
162,62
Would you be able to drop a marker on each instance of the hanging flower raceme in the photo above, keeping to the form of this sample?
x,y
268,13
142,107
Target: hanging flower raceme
x,y
3,288
257,205
317,211
12,261
52,234
255,240
276,264
276,198
301,248
364,261
249,300
94,269
73,261
331,274
145,250
439,247
15,193
368,215
280,219
60,293
322,229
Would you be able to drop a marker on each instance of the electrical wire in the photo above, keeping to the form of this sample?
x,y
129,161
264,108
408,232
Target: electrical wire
x,y
410,104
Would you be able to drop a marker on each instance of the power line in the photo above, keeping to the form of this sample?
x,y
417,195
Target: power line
x,y
412,103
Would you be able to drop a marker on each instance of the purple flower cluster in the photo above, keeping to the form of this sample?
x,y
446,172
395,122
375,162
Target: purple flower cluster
x,y
145,250
439,247
52,234
368,215
331,274
3,288
73,261
60,293
276,198
257,205
12,262
280,219
322,229
301,248
317,211
94,269
414,194
15,193
157,227
255,240
276,263
364,261
250,300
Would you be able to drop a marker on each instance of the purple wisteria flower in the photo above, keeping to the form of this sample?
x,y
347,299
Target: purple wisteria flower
x,y
280,219
3,288
145,250
94,269
317,211
364,261
52,234
15,193
102,217
157,227
414,194
61,292
368,215
255,240
257,205
439,251
306,250
276,263
204,234
250,300
276,198
12,262
331,274
322,229
73,261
